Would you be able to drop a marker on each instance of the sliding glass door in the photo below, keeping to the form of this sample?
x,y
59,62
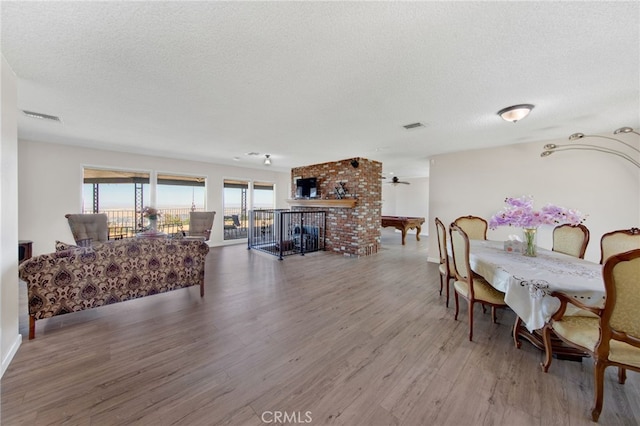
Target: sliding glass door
x,y
235,205
240,196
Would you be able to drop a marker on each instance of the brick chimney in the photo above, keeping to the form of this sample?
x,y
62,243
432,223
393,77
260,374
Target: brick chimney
x,y
350,231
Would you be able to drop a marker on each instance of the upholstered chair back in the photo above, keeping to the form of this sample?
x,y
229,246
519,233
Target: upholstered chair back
x,y
621,279
460,251
571,240
475,227
200,224
88,228
446,267
618,241
441,231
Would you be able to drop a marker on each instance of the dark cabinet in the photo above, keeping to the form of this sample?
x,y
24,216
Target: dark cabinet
x,y
24,250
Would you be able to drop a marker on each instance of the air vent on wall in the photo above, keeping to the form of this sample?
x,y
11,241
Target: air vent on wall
x,y
413,126
41,116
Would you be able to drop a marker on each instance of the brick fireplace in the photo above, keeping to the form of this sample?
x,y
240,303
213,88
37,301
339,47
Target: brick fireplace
x,y
352,231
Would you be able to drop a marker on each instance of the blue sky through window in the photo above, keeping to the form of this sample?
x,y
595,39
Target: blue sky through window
x,y
122,196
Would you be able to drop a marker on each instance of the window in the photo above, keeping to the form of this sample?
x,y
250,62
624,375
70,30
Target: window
x,y
235,209
176,196
123,194
263,196
120,194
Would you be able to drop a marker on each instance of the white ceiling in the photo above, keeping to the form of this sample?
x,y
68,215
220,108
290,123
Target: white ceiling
x,y
309,82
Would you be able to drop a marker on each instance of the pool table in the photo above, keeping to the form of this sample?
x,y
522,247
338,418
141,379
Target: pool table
x,y
403,224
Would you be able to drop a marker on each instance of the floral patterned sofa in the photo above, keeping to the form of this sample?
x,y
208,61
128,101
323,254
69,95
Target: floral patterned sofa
x,y
77,278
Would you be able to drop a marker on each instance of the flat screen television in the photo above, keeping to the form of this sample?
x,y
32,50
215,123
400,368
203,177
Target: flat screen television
x,y
307,188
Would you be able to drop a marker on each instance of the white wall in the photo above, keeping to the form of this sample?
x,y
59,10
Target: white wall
x,y
50,186
9,337
407,200
603,186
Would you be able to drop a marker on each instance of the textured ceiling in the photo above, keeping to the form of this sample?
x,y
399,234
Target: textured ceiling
x,y
311,82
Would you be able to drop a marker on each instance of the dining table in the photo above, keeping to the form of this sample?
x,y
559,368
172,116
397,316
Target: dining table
x,y
529,281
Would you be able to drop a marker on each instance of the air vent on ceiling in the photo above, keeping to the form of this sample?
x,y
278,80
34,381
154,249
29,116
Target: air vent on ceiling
x,y
252,153
41,116
413,126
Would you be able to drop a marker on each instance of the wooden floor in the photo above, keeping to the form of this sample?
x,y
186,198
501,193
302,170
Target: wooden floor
x,y
322,337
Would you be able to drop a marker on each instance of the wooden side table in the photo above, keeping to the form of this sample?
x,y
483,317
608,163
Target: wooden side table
x,y
25,250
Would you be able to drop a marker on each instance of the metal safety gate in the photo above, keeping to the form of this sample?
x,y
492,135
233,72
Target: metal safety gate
x,y
284,232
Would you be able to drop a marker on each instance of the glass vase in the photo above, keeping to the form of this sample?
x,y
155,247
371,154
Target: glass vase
x,y
153,224
529,241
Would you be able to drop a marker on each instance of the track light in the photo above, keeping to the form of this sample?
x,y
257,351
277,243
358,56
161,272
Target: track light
x,y
625,130
267,160
551,148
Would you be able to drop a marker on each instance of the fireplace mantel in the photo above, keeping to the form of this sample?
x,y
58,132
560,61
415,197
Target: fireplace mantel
x,y
346,203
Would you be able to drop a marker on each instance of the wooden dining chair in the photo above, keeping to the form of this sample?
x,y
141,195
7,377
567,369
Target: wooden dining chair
x,y
473,288
475,227
571,240
445,268
613,336
619,241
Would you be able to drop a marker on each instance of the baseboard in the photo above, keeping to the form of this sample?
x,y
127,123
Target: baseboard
x,y
14,349
433,259
424,232
224,243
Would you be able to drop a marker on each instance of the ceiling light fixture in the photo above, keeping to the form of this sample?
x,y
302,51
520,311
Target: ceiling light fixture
x,y
267,160
515,113
625,130
551,148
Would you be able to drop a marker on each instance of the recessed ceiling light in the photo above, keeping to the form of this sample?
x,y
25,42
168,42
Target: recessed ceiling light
x,y
236,158
41,116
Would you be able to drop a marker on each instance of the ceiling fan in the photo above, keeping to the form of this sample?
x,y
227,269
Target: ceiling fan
x,y
395,181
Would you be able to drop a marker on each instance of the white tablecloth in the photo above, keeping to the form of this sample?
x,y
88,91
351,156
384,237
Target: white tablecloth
x,y
527,281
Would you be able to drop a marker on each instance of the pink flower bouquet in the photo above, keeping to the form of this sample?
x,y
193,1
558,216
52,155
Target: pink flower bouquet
x,y
151,213
519,212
